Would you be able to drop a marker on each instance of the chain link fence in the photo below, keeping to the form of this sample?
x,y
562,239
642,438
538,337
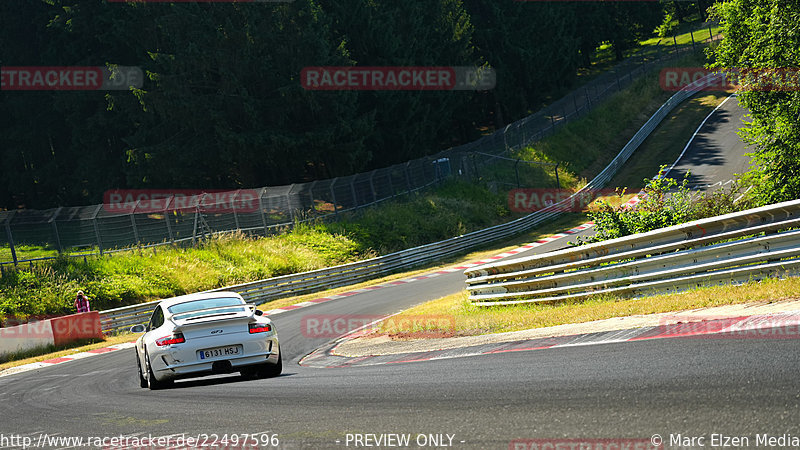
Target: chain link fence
x,y
29,235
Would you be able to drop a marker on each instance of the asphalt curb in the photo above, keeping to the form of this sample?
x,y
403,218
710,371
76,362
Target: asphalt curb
x,y
782,325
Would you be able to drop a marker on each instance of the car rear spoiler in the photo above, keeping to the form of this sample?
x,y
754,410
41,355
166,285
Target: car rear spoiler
x,y
198,316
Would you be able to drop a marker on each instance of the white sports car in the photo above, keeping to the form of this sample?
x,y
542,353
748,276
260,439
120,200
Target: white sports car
x,y
203,334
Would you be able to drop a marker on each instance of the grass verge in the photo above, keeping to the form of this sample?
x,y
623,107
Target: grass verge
x,y
473,320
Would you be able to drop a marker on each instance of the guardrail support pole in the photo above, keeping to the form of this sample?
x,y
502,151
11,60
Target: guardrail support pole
x,y
233,208
391,185
311,195
289,202
194,228
133,222
97,229
166,219
333,197
516,170
10,238
55,229
353,191
475,168
372,186
261,210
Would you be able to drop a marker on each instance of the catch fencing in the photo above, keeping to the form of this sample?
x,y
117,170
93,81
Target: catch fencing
x,y
734,248
99,229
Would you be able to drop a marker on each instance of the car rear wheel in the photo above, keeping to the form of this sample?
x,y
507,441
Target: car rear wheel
x,y
271,370
142,379
152,383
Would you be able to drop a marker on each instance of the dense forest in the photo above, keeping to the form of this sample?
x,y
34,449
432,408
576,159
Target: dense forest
x,y
222,105
763,35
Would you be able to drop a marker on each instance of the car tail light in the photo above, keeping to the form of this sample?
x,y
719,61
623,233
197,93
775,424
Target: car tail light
x,y
260,328
176,338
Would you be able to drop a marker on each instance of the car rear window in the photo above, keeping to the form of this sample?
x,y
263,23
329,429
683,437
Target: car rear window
x,y
208,303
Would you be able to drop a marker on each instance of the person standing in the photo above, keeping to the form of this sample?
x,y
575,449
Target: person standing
x,y
82,303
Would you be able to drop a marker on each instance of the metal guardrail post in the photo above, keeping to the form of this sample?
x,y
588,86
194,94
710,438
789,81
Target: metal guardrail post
x,y
263,215
372,186
133,222
233,209
356,203
289,203
10,238
97,229
194,226
311,196
333,197
166,218
391,184
52,221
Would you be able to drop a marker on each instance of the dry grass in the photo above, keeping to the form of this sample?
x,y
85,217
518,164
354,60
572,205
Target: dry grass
x,y
473,320
565,222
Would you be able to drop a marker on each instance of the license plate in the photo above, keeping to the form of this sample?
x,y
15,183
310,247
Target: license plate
x,y
232,350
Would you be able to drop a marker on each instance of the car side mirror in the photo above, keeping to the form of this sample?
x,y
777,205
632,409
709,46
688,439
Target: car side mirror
x,y
259,312
138,328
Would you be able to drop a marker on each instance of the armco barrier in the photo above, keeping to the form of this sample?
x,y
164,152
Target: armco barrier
x,y
58,331
259,292
733,248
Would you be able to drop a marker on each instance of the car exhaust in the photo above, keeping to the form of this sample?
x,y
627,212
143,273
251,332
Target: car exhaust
x,y
222,367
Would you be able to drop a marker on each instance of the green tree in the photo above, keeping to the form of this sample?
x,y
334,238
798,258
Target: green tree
x,y
532,46
409,124
762,34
